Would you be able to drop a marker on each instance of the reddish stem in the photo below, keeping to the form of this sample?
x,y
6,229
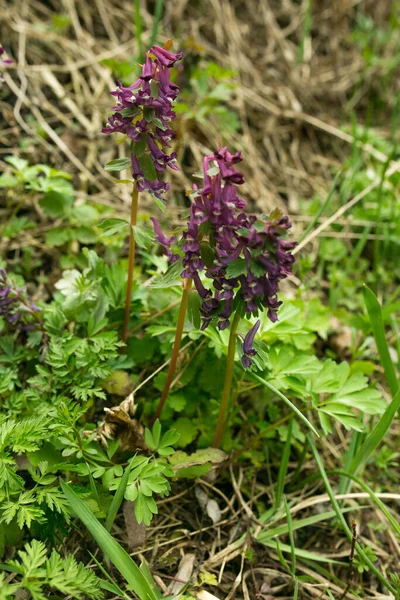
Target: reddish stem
x,y
187,284
131,263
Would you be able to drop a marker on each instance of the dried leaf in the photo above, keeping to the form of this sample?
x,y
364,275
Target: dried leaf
x,y
136,532
119,424
184,573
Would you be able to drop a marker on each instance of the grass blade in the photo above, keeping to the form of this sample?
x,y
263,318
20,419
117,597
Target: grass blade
x,y
294,408
375,316
269,534
374,438
120,559
158,9
138,28
291,537
342,520
304,554
284,465
321,209
118,498
394,523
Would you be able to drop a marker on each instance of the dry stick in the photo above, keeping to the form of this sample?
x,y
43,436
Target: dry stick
x,y
230,362
187,284
131,263
351,558
395,167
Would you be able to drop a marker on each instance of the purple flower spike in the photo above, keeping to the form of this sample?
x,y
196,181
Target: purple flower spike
x,y
247,346
143,109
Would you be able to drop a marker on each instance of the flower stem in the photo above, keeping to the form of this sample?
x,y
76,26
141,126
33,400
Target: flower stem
x,y
131,263
187,284
230,361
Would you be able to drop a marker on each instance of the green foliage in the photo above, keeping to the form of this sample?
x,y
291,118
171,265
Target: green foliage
x,y
209,87
149,475
38,575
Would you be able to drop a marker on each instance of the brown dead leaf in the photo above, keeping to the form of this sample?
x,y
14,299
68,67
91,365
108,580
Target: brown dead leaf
x,y
119,424
136,531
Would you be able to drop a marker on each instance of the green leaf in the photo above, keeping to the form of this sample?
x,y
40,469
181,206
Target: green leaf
x,y
283,466
56,204
156,432
266,384
148,436
236,267
147,166
8,181
185,430
138,148
158,202
376,436
207,254
171,277
18,163
193,308
118,164
118,497
58,236
112,226
375,317
143,237
118,556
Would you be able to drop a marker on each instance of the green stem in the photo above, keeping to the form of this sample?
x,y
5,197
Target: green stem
x,y
230,362
131,263
187,284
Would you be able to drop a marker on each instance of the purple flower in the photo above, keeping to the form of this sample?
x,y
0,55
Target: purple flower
x,y
247,346
165,242
4,61
142,109
15,306
249,258
165,58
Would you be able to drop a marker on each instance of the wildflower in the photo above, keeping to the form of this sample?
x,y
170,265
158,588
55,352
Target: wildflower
x,y
165,242
15,306
143,112
250,258
4,61
247,346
